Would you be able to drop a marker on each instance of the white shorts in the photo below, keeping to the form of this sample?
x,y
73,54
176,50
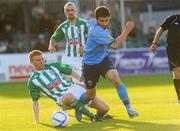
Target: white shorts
x,y
75,62
75,90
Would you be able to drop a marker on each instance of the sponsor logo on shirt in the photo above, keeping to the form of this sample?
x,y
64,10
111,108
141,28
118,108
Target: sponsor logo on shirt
x,y
54,84
74,41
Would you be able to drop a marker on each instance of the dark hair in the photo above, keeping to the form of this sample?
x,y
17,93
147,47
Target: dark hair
x,y
102,11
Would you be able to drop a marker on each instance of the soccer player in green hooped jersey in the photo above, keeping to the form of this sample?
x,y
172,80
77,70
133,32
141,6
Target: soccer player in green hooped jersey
x,y
74,31
49,79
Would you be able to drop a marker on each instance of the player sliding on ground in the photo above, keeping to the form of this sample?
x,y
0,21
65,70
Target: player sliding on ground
x,y
49,79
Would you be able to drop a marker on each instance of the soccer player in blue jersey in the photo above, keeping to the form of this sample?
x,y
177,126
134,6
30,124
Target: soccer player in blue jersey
x,y
96,61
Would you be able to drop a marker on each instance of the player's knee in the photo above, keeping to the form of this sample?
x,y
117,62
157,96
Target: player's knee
x,y
90,84
68,99
106,109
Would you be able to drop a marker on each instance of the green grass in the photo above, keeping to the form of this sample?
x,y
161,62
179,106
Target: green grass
x,y
153,96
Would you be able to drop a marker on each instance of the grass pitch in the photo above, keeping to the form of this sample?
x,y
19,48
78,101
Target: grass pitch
x,y
152,96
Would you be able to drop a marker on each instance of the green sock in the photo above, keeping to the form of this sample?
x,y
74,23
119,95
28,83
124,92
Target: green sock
x,y
77,105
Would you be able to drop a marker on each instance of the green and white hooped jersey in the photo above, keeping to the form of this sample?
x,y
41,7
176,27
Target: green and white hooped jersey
x,y
75,36
50,81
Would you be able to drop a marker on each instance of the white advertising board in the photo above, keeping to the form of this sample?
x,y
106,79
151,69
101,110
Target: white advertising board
x,y
15,67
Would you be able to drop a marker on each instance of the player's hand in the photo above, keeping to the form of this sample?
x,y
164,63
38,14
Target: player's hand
x,y
37,121
81,50
51,49
130,25
153,47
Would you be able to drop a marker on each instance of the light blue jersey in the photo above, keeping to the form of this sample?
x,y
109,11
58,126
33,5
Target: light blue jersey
x,y
97,42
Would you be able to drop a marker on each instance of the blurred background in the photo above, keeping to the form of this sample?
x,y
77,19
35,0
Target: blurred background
x,y
28,24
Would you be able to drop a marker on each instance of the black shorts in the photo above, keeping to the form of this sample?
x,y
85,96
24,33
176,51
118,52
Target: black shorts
x,y
173,55
92,73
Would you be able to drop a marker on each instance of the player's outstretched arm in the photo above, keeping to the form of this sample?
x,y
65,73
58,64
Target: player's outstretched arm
x,y
52,46
157,36
128,28
36,111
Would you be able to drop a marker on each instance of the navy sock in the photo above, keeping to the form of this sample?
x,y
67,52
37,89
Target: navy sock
x,y
123,95
83,99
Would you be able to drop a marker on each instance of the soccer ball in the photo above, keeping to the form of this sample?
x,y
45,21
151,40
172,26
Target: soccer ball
x,y
60,119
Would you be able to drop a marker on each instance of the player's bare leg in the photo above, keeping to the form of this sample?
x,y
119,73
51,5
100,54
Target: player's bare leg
x,y
176,80
101,107
113,76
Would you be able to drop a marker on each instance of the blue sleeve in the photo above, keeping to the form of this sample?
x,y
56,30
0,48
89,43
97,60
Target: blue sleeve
x,y
91,22
102,37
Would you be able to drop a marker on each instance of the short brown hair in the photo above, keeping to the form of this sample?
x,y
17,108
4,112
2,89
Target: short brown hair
x,y
102,11
33,53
